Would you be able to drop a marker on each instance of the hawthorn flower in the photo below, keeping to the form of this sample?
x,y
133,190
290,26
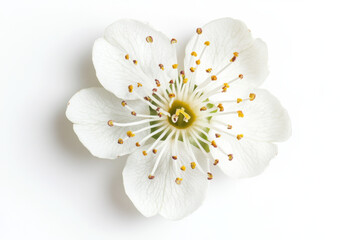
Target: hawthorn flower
x,y
177,125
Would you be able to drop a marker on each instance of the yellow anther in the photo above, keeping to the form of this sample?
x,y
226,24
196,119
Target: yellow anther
x,y
151,177
185,80
229,126
199,31
149,39
161,66
197,62
154,151
238,100
127,57
217,135
193,165
130,87
226,85
139,84
203,109
252,96
216,162
157,83
174,66
233,59
171,81
236,54
213,78
123,103
239,136
172,41
144,153
174,157
178,180
207,43
210,176
183,168
120,141
135,62
194,54
231,157
133,113
213,143
110,123
221,107
130,134
171,95
240,114
208,70
192,69
137,144
241,76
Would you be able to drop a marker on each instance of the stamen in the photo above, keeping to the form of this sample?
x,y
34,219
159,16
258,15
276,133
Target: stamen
x,y
178,180
174,157
127,57
193,165
231,157
192,69
207,43
197,62
173,41
135,62
217,135
203,108
157,82
175,66
194,54
161,66
216,162
149,39
213,78
240,114
210,176
199,31
252,96
110,123
221,107
239,136
131,88
151,177
183,168
139,85
130,134
120,141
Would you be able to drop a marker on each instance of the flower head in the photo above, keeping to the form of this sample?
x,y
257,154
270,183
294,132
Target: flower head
x,y
179,124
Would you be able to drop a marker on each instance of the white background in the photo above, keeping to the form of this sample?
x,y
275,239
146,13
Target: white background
x,y
52,188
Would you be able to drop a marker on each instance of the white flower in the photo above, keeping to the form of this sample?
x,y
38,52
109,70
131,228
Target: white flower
x,y
176,125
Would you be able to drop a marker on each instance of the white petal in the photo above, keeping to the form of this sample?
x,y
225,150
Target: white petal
x,y
116,73
161,194
250,157
227,36
264,118
91,109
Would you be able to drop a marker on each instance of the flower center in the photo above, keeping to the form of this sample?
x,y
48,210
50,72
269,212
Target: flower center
x,y
181,115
